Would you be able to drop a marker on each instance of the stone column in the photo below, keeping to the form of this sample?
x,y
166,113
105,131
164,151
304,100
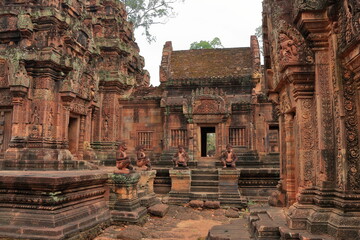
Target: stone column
x,y
290,154
124,201
191,140
317,26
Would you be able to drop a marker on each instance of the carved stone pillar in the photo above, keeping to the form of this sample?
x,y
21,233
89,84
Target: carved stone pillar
x,y
317,27
290,153
191,140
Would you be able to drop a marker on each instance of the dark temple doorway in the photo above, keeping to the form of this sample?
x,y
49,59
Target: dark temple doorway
x,y
208,141
73,134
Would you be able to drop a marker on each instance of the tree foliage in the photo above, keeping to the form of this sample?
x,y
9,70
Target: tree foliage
x,y
215,43
145,13
259,35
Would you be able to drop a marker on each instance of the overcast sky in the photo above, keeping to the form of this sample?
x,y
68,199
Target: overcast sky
x,y
233,21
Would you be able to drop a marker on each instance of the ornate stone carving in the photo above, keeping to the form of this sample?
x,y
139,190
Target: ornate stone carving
x,y
5,98
206,101
352,132
292,48
206,106
285,103
4,81
288,49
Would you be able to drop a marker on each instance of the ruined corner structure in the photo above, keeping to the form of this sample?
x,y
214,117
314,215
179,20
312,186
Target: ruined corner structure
x,y
312,66
63,66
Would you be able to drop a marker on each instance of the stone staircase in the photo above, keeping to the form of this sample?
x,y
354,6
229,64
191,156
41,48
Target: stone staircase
x,y
204,181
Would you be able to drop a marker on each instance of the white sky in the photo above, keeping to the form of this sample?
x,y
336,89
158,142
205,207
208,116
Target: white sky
x,y
233,21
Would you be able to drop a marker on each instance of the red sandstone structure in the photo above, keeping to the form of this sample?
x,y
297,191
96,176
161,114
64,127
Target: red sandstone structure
x,y
312,66
72,87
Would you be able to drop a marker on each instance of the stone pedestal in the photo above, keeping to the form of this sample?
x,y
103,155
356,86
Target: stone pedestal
x,y
229,193
180,186
124,202
146,188
53,204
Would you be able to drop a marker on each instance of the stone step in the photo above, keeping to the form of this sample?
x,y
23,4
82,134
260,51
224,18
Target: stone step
x,y
211,196
204,183
204,177
204,189
204,172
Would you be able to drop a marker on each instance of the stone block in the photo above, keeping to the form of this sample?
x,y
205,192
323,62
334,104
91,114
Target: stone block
x,y
180,180
212,204
196,203
158,210
232,213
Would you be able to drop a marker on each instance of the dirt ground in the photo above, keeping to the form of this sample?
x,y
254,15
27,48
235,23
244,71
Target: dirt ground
x,y
180,222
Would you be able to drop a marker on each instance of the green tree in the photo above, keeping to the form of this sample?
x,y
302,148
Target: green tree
x,y
215,43
259,35
145,13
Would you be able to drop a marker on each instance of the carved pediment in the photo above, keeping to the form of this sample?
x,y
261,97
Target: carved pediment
x,y
206,101
292,48
207,106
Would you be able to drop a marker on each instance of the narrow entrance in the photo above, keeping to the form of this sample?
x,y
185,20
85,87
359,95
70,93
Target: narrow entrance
x,y
5,130
73,133
208,141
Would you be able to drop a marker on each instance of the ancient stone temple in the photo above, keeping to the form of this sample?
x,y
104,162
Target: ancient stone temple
x,y
73,89
312,66
207,99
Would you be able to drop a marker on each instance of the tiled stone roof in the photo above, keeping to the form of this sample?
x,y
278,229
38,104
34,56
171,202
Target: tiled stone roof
x,y
210,63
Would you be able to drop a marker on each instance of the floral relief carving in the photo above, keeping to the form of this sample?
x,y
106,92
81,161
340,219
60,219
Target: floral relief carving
x,y
308,139
206,106
351,125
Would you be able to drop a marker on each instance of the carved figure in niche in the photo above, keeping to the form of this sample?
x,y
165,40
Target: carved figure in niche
x,y
288,49
142,161
35,132
181,158
228,157
122,160
106,129
50,122
35,117
92,92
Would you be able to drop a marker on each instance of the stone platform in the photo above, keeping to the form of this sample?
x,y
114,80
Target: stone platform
x,y
268,223
52,204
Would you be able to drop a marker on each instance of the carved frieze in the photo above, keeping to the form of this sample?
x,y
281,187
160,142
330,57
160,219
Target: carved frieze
x,y
78,106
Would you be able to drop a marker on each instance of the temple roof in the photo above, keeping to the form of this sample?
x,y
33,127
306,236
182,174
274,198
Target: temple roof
x,y
211,63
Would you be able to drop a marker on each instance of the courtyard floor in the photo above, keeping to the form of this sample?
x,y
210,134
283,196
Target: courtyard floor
x,y
182,222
